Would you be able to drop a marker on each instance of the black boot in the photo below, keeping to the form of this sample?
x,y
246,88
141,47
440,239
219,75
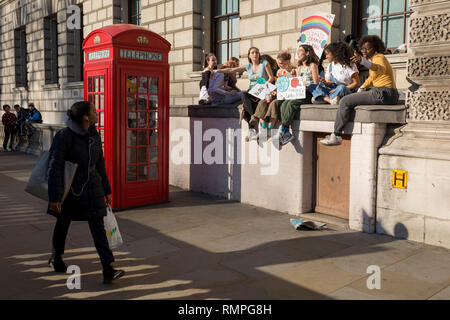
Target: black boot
x,y
57,263
110,274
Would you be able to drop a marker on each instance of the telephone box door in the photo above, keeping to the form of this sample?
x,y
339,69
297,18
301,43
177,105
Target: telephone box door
x,y
142,149
96,81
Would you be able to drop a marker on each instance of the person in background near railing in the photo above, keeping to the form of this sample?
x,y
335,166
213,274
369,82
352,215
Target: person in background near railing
x,y
9,122
379,88
34,117
22,115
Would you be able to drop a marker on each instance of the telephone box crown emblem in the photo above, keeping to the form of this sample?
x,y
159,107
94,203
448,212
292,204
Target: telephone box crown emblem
x,y
142,40
97,40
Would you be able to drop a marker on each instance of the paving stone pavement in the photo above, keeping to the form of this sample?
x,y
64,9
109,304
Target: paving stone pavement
x,y
200,247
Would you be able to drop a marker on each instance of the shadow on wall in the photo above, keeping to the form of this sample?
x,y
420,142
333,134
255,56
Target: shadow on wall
x,y
216,151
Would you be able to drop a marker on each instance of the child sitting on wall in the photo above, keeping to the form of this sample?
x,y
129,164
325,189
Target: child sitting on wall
x,y
341,77
268,110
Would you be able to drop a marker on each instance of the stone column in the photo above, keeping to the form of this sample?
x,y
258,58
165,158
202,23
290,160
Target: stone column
x,y
421,211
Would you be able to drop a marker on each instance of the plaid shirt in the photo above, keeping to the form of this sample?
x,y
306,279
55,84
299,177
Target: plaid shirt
x,y
9,119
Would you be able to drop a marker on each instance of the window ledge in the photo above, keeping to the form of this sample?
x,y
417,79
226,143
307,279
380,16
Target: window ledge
x,y
52,86
20,89
73,85
397,60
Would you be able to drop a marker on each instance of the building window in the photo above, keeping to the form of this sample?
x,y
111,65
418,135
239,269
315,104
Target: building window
x,y
20,56
387,19
51,49
75,53
134,12
226,29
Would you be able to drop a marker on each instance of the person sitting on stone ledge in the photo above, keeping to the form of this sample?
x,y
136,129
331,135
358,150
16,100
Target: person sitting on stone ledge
x,y
256,68
217,91
209,65
22,115
34,117
379,88
341,77
268,110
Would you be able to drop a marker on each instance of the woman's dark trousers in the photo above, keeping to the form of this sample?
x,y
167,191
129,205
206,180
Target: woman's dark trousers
x,y
97,228
374,96
249,105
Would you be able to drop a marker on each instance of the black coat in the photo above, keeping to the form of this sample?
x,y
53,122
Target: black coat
x,y
81,203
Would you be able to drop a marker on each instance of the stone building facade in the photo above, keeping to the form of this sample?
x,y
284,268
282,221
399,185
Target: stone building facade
x,y
421,147
271,25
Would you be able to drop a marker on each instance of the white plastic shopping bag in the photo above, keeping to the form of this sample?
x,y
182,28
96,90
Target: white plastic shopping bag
x,y
112,229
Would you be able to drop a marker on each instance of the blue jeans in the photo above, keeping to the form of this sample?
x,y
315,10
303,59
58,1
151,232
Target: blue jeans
x,y
321,91
228,99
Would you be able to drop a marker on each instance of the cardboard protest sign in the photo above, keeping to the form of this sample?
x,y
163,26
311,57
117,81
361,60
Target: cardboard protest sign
x,y
290,88
262,90
316,28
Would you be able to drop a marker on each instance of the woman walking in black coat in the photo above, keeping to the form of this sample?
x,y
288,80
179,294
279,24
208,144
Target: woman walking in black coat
x,y
80,143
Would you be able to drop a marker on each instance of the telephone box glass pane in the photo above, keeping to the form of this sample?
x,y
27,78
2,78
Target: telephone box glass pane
x,y
154,115
102,84
153,155
131,101
153,172
153,85
132,122
101,105
131,84
90,85
131,173
143,155
96,84
153,137
142,102
152,124
96,101
143,173
153,102
131,155
102,135
143,141
142,119
143,84
132,138
101,120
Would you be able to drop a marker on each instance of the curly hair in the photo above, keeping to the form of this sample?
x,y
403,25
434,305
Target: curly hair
x,y
311,57
375,41
284,55
341,52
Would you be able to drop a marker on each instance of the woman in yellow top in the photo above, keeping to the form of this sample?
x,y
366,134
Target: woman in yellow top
x,y
379,88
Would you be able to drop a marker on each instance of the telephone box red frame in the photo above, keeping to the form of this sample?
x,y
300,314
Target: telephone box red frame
x,y
126,75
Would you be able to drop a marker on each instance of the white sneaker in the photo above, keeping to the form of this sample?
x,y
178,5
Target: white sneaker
x,y
252,135
335,100
331,140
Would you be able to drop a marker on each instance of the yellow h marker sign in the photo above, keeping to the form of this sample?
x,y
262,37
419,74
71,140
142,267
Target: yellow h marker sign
x,y
399,179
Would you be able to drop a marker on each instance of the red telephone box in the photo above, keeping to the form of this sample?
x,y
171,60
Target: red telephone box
x,y
126,76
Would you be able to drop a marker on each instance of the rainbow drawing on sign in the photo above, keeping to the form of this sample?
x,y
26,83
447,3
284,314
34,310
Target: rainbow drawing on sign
x,y
316,22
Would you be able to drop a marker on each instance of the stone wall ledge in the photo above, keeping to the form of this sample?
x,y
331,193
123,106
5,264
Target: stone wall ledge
x,y
312,112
